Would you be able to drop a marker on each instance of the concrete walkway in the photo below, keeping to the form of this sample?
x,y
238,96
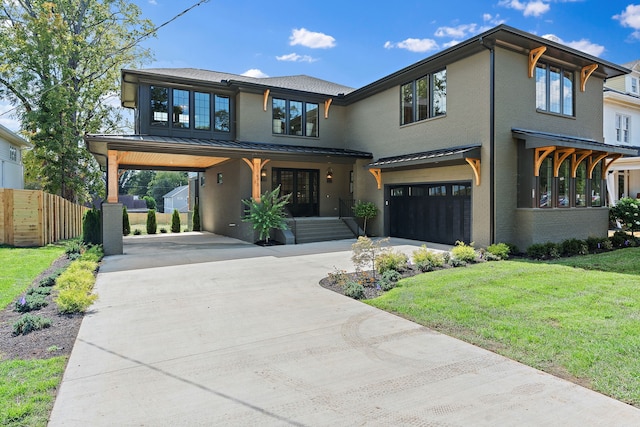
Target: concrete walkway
x,y
205,330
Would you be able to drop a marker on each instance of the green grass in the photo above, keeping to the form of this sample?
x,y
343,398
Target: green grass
x,y
20,266
27,390
571,322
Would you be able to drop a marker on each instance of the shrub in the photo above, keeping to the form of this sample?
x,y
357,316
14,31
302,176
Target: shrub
x,y
427,260
621,239
455,262
74,300
366,211
598,244
93,253
196,217
499,250
50,280
354,290
152,225
339,277
627,211
175,221
574,247
73,248
91,227
74,287
364,253
163,230
391,260
389,279
463,252
126,226
151,202
268,213
40,290
547,250
30,302
29,322
137,232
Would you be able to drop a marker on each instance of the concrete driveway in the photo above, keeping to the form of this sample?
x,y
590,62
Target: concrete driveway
x,y
204,330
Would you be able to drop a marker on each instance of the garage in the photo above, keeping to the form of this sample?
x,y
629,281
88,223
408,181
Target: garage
x,y
434,212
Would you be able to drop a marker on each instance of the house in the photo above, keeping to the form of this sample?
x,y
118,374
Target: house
x,y
178,198
11,168
621,99
496,139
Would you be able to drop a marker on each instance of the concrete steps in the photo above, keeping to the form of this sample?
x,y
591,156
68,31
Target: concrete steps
x,y
319,229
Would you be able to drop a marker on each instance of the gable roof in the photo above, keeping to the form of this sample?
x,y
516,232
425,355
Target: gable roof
x,y
13,138
176,191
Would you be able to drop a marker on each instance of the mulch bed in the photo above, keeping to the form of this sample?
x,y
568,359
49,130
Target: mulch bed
x,y
56,340
371,290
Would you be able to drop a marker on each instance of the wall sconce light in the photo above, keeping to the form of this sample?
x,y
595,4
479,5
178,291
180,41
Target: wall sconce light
x,y
329,175
263,175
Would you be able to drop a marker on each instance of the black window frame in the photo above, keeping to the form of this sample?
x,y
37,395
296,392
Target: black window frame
x,y
282,113
416,105
565,109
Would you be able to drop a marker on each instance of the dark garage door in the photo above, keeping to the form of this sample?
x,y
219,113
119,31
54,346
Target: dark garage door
x,y
438,213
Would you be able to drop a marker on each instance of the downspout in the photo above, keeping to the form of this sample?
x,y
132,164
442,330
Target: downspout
x,y
492,139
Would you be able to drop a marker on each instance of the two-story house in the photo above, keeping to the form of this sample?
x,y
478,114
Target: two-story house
x,y
11,168
496,139
621,99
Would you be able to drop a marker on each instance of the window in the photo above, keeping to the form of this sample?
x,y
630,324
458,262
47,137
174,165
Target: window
x,y
222,113
13,153
545,183
294,117
554,89
564,187
596,186
623,124
424,98
633,85
202,110
581,185
159,106
180,108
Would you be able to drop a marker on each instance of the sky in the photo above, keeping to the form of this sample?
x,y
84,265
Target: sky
x,y
356,42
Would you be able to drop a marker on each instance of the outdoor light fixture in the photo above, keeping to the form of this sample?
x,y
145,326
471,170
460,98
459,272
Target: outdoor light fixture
x,y
263,175
329,175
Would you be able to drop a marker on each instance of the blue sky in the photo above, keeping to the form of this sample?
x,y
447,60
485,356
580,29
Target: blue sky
x,y
354,42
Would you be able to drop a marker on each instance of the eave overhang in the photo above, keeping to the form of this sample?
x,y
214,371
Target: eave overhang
x,y
536,139
440,157
13,138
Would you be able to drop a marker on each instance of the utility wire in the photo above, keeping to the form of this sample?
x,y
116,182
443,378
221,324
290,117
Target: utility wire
x,y
129,46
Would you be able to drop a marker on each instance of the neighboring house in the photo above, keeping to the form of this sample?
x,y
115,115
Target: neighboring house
x,y
11,168
622,127
496,139
178,198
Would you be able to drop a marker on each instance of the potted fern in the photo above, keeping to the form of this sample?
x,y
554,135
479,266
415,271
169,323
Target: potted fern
x,y
267,214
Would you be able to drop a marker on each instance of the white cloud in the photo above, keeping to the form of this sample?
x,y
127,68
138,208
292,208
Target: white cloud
x,y
493,20
414,45
311,39
529,8
630,17
582,45
254,72
459,32
153,2
294,57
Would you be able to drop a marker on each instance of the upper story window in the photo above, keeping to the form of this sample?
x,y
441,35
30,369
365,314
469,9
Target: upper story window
x,y
423,98
623,126
632,85
294,117
13,153
554,89
189,109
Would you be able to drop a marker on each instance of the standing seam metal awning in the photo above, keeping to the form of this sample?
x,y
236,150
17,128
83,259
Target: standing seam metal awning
x,y
417,160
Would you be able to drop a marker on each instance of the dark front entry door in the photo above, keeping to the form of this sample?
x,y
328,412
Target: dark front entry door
x,y
302,184
439,213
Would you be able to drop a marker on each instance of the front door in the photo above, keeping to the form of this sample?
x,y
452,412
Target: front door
x,y
302,184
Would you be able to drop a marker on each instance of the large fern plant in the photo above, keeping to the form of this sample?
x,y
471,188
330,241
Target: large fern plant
x,y
268,213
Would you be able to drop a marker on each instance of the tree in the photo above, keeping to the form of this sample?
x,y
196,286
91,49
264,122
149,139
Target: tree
x,y
60,62
126,225
196,217
135,182
268,213
175,221
365,210
163,182
152,224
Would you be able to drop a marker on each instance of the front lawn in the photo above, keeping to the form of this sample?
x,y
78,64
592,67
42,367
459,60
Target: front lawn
x,y
579,324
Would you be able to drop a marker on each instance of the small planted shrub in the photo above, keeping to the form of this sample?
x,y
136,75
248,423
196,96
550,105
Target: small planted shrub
x,y
354,290
152,225
40,290
28,322
464,252
366,211
621,239
391,260
426,260
74,287
499,250
93,253
73,249
573,247
175,221
364,253
73,300
137,232
50,280
339,277
598,244
126,225
91,227
547,250
456,262
163,230
627,211
389,279
196,217
30,302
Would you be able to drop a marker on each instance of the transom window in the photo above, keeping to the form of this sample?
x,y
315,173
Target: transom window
x,y
623,125
189,109
424,98
554,89
295,117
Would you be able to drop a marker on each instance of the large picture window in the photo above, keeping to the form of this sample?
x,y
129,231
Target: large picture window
x,y
159,106
424,98
222,113
295,117
554,89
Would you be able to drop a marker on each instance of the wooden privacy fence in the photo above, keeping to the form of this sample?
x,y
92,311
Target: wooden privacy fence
x,y
36,218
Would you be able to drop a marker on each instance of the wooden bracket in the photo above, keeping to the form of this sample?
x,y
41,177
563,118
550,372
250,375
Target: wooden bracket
x,y
534,56
256,166
475,165
578,157
607,165
541,154
327,104
585,73
559,156
265,99
593,162
377,174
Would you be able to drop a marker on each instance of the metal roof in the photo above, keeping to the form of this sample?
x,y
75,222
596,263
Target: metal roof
x,y
536,139
425,157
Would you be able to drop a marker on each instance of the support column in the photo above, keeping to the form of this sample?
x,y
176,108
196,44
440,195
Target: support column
x,y
112,228
112,176
256,166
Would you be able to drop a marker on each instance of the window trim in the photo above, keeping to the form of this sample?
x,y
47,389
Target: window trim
x,y
418,111
286,118
549,69
621,137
